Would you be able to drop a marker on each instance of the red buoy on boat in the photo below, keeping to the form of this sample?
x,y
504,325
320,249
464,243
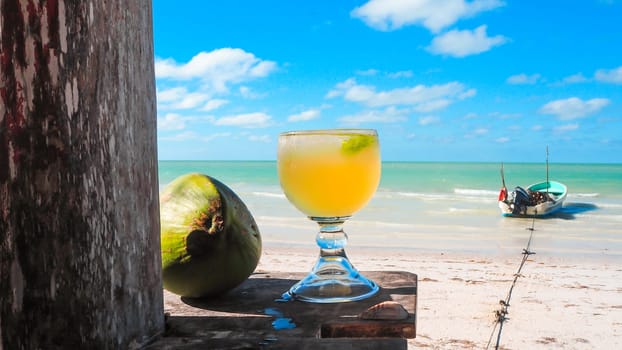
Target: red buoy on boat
x,y
503,194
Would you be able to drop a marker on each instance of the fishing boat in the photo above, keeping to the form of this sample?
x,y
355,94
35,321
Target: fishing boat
x,y
539,199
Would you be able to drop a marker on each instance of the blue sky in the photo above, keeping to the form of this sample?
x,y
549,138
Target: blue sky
x,y
441,80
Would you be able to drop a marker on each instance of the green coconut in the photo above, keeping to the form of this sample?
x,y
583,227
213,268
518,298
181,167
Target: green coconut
x,y
210,241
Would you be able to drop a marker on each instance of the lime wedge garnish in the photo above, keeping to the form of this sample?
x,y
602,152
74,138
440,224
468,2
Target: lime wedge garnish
x,y
356,143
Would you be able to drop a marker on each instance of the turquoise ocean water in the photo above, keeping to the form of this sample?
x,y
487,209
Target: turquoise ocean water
x,y
440,206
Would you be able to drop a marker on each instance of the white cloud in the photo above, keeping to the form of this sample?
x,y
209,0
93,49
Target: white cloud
x,y
304,116
428,120
214,104
434,15
433,105
401,74
341,87
504,116
216,69
573,108
503,139
248,93
368,72
574,79
260,138
184,136
523,79
566,128
389,115
179,97
248,120
171,95
191,135
171,121
609,75
467,93
210,137
461,43
191,100
476,132
421,97
245,91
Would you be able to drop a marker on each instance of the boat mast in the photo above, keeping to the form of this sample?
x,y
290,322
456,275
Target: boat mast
x,y
502,176
547,170
503,194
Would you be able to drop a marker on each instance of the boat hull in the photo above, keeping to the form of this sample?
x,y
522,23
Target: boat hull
x,y
555,191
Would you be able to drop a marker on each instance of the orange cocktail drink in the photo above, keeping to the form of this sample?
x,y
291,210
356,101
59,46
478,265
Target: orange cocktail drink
x,y
328,174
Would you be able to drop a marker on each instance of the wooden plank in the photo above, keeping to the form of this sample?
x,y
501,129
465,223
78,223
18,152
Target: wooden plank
x,y
196,343
252,312
369,329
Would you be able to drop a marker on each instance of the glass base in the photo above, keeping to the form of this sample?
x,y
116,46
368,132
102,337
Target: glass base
x,y
332,280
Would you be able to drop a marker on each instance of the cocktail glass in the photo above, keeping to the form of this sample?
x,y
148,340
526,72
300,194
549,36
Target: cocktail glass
x,y
329,175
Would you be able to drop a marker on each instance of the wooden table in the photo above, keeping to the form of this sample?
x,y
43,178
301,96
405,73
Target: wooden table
x,y
250,317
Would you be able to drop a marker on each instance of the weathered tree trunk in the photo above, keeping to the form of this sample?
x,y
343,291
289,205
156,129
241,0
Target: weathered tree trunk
x,y
79,217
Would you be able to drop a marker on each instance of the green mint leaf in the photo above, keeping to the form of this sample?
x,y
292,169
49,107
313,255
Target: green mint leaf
x,y
356,143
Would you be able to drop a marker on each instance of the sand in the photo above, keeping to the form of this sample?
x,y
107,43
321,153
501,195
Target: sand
x,y
558,301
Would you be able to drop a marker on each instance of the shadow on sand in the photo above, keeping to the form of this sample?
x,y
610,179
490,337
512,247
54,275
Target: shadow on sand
x,y
570,209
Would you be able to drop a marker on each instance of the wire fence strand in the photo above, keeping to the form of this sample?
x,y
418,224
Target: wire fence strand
x,y
501,314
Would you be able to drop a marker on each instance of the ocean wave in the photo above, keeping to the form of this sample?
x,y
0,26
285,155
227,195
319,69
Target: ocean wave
x,y
431,196
286,221
583,195
610,205
476,192
463,210
377,223
268,194
283,220
479,196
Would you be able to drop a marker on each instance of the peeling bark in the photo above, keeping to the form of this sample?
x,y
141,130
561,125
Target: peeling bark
x,y
79,216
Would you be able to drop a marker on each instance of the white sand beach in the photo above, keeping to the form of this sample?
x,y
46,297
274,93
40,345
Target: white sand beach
x,y
558,302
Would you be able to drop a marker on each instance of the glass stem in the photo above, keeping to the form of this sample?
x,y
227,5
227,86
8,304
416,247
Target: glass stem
x,y
331,239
